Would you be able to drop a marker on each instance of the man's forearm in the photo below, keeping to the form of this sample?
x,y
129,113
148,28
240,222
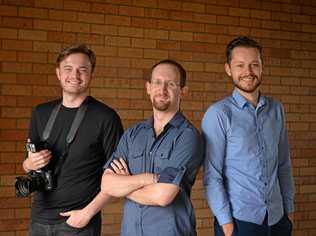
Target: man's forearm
x,y
159,194
121,185
97,204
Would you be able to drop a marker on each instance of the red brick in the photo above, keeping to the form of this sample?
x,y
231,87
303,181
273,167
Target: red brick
x,y
77,5
17,22
146,3
20,45
48,25
105,51
239,12
7,55
32,35
6,33
7,124
16,67
131,11
144,43
47,47
155,54
8,10
105,8
169,25
19,2
157,13
130,52
181,36
156,34
104,29
170,4
142,63
33,12
76,27
204,18
91,18
50,4
118,20
193,27
131,31
168,45
194,7
64,37
143,23
62,15
90,38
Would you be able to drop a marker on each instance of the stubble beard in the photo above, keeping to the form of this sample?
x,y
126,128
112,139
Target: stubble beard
x,y
250,89
159,105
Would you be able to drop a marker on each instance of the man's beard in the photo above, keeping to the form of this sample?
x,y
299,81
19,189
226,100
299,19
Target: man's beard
x,y
251,89
160,106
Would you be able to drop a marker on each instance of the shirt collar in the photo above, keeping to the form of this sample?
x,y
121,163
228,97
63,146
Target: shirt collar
x,y
176,120
242,102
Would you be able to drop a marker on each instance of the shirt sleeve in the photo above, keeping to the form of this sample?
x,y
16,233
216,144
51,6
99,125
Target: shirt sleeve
x,y
214,127
121,151
285,169
186,158
112,134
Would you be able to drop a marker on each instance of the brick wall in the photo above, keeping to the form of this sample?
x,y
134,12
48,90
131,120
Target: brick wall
x,y
128,37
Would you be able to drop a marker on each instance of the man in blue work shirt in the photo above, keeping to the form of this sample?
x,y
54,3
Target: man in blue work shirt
x,y
247,170
155,164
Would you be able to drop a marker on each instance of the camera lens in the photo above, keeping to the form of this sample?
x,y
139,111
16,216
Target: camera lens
x,y
22,186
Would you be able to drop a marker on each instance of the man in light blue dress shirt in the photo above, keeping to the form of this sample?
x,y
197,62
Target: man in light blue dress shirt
x,y
247,170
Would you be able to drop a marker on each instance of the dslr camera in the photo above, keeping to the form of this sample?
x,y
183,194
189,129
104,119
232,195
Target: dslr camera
x,y
39,180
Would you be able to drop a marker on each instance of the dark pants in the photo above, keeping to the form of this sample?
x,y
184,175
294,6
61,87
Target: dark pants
x,y
243,228
63,229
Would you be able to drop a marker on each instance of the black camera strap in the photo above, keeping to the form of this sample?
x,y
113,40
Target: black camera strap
x,y
71,134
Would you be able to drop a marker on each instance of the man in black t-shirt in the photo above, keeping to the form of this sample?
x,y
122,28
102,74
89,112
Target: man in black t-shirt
x,y
79,178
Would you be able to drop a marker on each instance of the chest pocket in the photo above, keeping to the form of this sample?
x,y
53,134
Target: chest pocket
x,y
162,158
136,160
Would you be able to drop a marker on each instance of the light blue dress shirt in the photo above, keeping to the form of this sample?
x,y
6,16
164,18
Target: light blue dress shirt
x,y
247,168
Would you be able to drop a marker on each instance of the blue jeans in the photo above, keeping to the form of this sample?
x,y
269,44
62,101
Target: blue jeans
x,y
63,229
243,228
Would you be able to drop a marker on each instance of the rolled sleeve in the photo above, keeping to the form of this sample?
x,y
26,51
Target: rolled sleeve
x,y
185,159
172,175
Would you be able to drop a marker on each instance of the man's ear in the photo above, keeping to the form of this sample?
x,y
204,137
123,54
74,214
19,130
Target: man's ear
x,y
147,84
58,73
227,69
184,91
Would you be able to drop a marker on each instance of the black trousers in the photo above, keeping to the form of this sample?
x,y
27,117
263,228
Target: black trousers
x,y
63,229
243,228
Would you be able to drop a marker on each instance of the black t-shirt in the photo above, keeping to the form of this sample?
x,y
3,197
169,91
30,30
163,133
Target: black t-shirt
x,y
79,179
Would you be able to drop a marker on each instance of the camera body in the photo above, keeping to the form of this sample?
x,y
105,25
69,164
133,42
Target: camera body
x,y
39,180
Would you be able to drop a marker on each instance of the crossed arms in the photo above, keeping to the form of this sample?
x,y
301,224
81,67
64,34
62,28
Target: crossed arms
x,y
117,182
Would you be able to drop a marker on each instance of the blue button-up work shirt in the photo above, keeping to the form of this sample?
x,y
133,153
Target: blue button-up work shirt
x,y
247,165
178,148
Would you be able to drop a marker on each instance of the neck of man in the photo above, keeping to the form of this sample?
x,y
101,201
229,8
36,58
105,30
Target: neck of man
x,y
161,118
73,101
252,97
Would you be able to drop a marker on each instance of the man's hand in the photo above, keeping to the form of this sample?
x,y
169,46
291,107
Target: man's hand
x,y
120,167
291,217
77,218
228,229
37,160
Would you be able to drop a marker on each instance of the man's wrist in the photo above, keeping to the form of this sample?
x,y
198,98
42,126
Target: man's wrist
x,y
24,165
